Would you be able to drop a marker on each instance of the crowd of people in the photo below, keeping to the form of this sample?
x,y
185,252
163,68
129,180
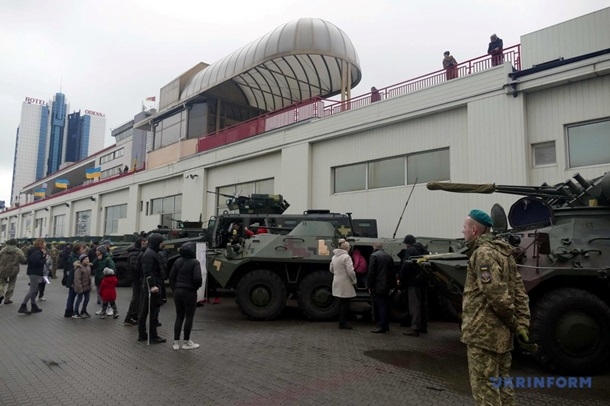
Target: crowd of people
x,y
85,267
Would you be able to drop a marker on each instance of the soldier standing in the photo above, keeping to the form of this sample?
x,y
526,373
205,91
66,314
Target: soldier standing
x,y
495,306
55,261
10,258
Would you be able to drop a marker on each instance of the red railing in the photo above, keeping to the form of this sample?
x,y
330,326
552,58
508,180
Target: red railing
x,y
479,64
294,113
315,107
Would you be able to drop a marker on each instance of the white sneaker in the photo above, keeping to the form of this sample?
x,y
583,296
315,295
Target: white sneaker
x,y
42,299
99,312
176,345
109,312
189,345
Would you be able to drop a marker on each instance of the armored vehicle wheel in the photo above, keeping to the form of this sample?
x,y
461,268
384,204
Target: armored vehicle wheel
x,y
261,295
315,297
122,273
572,328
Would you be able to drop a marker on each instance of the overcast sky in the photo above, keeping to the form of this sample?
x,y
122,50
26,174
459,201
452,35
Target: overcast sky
x,y
109,55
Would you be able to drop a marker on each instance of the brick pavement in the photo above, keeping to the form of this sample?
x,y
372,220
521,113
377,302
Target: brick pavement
x,y
46,359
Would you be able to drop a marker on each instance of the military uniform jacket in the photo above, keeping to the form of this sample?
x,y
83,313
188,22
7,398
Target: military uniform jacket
x,y
10,258
495,303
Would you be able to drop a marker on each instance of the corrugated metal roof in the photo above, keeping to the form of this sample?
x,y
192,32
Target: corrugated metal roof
x,y
296,61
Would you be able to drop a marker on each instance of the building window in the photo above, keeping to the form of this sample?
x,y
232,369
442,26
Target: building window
x,y
543,154
113,214
263,186
350,178
58,225
83,222
112,171
170,209
428,166
387,173
588,144
112,156
423,166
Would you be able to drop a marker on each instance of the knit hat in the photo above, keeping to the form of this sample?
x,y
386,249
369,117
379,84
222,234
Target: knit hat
x,y
107,242
12,241
480,217
83,257
102,250
108,271
344,245
409,239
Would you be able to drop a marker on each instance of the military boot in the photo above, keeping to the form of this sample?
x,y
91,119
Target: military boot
x,y
36,309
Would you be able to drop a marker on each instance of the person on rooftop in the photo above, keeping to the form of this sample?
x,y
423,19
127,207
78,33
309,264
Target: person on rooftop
x,y
450,66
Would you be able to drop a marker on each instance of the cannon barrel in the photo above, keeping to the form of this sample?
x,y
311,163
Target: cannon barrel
x,y
569,193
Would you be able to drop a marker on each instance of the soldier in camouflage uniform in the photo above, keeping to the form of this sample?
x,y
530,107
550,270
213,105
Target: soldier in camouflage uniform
x,y
495,306
10,258
55,260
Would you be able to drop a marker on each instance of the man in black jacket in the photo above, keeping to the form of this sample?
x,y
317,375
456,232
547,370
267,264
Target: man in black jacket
x,y
416,290
152,279
134,269
381,279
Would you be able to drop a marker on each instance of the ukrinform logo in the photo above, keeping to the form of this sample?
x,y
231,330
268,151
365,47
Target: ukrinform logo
x,y
531,382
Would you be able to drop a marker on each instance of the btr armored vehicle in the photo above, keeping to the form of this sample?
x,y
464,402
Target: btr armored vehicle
x,y
257,212
269,267
561,236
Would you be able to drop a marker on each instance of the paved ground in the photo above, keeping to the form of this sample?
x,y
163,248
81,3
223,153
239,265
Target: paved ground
x,y
46,359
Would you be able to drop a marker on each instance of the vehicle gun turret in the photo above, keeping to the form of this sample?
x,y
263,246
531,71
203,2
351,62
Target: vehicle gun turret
x,y
256,203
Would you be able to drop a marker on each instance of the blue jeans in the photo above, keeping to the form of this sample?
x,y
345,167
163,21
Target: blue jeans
x,y
80,297
70,302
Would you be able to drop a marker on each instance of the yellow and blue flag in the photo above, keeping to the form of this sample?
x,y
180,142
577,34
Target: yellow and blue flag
x,y
40,192
93,173
62,183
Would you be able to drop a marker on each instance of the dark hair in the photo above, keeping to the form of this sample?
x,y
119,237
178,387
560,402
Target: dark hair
x,y
447,53
77,247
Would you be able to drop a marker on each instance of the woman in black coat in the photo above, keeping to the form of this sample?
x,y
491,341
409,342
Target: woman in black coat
x,y
37,256
184,279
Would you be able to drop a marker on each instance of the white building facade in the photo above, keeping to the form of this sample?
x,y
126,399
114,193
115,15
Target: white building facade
x,y
543,123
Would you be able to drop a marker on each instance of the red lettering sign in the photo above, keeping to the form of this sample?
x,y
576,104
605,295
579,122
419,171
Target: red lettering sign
x,y
94,113
32,100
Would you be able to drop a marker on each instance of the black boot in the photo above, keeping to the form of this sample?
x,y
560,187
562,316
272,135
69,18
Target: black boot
x,y
68,313
36,309
24,309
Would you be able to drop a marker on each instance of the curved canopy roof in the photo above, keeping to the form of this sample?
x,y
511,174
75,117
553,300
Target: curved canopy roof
x,y
296,61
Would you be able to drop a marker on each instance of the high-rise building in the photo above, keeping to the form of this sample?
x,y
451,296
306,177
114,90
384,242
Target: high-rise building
x,y
48,138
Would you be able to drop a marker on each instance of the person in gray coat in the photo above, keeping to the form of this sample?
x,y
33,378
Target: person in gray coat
x,y
381,280
344,279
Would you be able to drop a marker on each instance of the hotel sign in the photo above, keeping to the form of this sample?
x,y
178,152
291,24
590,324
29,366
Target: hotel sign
x,y
94,113
32,100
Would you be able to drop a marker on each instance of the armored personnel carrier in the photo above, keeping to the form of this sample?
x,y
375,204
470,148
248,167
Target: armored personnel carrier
x,y
561,236
257,212
269,267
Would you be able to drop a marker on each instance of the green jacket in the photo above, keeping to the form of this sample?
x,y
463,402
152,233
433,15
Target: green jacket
x,y
495,303
98,267
10,258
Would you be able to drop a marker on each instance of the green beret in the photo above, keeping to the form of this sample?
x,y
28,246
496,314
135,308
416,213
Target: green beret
x,y
480,217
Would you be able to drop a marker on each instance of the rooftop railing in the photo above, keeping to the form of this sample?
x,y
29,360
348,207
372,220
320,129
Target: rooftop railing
x,y
317,107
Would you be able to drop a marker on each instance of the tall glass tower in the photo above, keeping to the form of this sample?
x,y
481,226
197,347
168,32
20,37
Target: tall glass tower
x,y
58,124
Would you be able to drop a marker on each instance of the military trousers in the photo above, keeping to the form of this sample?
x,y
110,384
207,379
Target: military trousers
x,y
10,281
484,368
